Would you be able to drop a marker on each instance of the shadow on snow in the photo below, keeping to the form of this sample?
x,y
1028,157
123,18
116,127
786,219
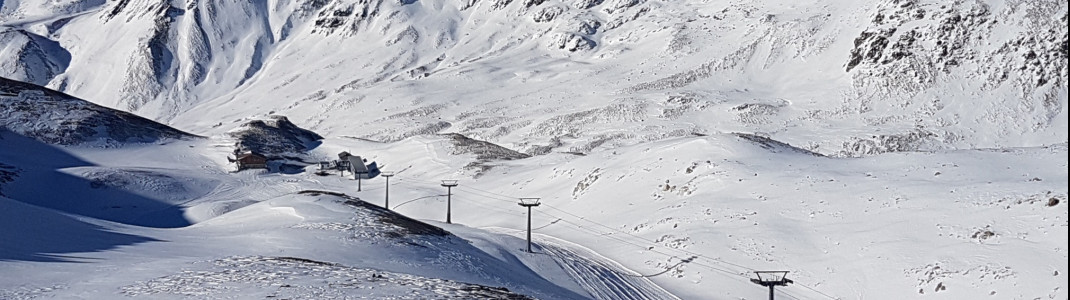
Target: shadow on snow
x,y
34,224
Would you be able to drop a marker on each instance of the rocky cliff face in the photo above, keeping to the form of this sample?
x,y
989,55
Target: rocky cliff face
x,y
1007,57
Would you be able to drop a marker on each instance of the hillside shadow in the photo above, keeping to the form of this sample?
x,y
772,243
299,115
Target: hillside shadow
x,y
42,182
32,233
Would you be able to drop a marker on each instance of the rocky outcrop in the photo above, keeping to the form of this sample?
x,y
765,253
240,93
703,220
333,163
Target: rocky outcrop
x,y
32,58
60,119
274,137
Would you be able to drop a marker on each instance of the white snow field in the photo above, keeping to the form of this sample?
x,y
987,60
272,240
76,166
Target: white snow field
x,y
954,225
877,149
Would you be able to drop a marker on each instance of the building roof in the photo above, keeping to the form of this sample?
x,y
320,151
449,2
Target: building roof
x,y
250,155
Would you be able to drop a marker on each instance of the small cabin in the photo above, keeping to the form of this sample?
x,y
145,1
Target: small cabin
x,y
251,161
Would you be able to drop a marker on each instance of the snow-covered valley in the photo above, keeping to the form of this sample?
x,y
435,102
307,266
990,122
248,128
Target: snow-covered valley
x,y
896,149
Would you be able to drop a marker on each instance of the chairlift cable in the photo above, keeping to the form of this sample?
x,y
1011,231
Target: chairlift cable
x,y
505,198
645,248
647,240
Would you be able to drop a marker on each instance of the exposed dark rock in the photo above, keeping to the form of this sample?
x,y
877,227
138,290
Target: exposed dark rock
x,y
589,27
325,280
773,145
60,119
484,151
402,225
275,137
547,14
585,4
7,174
499,4
573,42
545,149
869,47
615,6
916,140
531,3
31,58
344,18
116,9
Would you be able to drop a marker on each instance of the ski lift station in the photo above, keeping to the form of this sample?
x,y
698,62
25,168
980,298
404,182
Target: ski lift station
x,y
360,167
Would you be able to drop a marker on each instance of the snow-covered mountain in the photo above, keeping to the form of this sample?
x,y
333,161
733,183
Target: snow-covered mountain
x,y
840,78
879,149
31,58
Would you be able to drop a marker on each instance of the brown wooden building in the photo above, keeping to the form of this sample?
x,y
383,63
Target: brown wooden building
x,y
251,161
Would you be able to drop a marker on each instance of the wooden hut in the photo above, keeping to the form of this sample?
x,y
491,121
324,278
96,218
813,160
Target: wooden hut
x,y
251,160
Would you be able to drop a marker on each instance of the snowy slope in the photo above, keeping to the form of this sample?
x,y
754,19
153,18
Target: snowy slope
x,y
892,149
948,225
894,226
309,245
845,78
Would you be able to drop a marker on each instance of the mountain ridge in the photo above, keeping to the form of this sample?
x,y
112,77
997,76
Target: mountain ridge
x,y
844,79
56,118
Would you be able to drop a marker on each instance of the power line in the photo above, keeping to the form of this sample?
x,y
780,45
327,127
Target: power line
x,y
424,197
494,208
685,251
489,192
484,196
647,242
785,293
626,242
490,195
613,229
501,197
815,290
646,248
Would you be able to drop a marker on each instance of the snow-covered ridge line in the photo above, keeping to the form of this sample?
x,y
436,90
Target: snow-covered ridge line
x,y
298,278
851,78
57,118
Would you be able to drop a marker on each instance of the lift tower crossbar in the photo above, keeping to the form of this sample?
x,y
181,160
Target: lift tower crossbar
x,y
449,184
529,203
772,279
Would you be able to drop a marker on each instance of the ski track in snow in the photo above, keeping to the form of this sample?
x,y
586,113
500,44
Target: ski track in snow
x,y
600,277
